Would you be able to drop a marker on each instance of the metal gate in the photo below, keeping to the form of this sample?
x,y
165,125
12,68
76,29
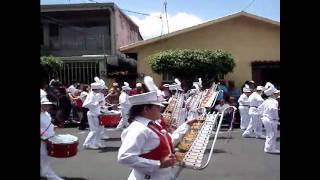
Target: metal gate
x,y
84,72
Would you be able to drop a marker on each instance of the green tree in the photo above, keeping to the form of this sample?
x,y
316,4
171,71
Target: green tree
x,y
49,65
189,64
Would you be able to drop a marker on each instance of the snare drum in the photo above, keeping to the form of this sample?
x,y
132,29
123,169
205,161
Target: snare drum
x,y
110,119
62,146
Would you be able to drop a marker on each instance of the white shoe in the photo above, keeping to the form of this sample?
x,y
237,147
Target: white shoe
x,y
261,136
276,151
101,145
91,147
247,135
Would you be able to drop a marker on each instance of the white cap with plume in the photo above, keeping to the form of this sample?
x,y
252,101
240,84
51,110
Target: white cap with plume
x,y
126,87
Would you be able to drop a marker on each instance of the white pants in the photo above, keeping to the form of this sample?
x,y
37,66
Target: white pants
x,y
45,162
124,119
271,134
245,118
95,134
255,125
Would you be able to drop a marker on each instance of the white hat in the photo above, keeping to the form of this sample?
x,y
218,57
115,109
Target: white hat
x,y
145,98
246,90
95,85
260,88
138,85
44,100
268,85
271,91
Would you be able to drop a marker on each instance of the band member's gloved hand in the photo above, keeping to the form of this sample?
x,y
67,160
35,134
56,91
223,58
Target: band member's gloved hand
x,y
168,161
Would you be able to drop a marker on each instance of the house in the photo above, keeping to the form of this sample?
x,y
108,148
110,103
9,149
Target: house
x,y
253,41
87,37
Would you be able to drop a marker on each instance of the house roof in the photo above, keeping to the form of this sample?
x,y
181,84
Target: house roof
x,y
196,27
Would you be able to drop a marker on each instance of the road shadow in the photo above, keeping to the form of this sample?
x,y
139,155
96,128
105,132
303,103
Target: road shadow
x,y
216,151
109,149
112,139
67,178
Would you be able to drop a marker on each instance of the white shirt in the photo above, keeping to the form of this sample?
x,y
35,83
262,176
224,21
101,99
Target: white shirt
x,y
71,89
138,139
124,100
255,100
45,122
92,103
220,108
269,109
43,93
243,101
83,95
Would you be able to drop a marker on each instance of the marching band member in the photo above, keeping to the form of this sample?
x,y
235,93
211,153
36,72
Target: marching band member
x,y
124,106
46,131
145,147
255,124
270,117
93,103
244,107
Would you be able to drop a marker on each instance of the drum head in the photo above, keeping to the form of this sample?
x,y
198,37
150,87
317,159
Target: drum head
x,y
63,139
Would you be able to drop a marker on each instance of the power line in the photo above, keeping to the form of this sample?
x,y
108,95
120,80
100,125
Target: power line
x,y
248,5
135,12
165,9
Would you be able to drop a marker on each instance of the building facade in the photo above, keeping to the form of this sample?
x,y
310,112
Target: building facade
x,y
253,41
87,37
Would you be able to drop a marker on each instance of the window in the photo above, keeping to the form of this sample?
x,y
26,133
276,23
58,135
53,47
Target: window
x,y
53,30
167,77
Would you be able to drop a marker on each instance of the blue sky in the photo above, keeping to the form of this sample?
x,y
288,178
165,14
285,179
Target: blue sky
x,y
195,11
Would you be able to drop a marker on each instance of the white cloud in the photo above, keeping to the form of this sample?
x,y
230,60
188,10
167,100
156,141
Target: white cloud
x,y
150,26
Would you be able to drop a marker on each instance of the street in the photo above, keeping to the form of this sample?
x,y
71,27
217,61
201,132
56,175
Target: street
x,y
236,159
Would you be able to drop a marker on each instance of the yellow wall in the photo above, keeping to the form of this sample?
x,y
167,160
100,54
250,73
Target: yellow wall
x,y
245,38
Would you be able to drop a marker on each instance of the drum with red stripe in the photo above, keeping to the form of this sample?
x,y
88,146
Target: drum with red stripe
x,y
110,119
62,146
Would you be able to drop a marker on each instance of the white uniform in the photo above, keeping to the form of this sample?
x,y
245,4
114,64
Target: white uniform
x,y
138,139
255,124
244,111
270,117
220,108
94,136
47,131
125,106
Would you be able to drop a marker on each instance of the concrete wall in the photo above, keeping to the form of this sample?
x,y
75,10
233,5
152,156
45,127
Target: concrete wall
x,y
247,39
126,31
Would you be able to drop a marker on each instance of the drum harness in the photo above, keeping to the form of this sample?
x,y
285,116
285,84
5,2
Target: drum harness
x,y
45,132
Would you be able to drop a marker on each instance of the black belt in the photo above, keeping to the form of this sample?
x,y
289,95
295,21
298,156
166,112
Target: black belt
x,y
245,105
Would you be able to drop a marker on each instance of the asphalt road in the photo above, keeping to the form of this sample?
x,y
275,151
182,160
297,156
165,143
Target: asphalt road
x,y
236,159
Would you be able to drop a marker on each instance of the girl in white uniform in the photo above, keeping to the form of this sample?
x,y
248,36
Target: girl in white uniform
x,y
46,132
144,148
270,117
255,124
244,107
93,103
125,105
